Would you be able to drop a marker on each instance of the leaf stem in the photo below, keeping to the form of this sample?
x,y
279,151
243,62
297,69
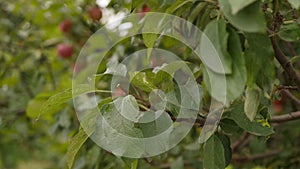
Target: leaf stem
x,y
103,91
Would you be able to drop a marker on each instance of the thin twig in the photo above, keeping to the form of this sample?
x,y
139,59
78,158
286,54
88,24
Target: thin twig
x,y
241,142
287,88
285,63
291,97
200,121
256,156
285,117
280,88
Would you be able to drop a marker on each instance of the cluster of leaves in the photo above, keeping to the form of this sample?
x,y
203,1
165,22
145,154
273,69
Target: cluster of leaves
x,y
240,31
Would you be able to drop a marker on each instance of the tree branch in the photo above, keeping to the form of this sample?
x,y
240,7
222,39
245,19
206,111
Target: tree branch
x,y
256,157
237,159
291,96
280,88
200,121
287,88
285,63
243,141
286,117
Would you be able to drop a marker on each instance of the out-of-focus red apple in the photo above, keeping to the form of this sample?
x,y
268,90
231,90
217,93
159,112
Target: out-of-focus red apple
x,y
278,106
142,12
145,8
66,26
64,50
278,103
95,13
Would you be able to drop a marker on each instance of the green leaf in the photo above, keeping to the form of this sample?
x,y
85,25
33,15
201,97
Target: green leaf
x,y
177,5
143,80
216,32
157,126
237,5
196,10
213,151
150,30
56,100
290,32
115,68
230,127
235,82
86,129
257,55
295,59
115,129
295,3
128,107
128,162
75,145
183,97
149,40
255,128
227,148
35,105
175,66
164,81
160,76
211,122
134,164
252,102
249,19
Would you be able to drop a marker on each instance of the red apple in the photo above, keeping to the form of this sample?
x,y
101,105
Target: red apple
x,y
95,13
64,50
66,26
145,8
278,105
141,12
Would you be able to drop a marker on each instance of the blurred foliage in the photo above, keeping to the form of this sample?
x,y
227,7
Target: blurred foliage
x,y
31,72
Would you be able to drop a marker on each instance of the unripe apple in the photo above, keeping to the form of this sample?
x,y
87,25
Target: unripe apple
x,y
66,26
64,50
95,13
